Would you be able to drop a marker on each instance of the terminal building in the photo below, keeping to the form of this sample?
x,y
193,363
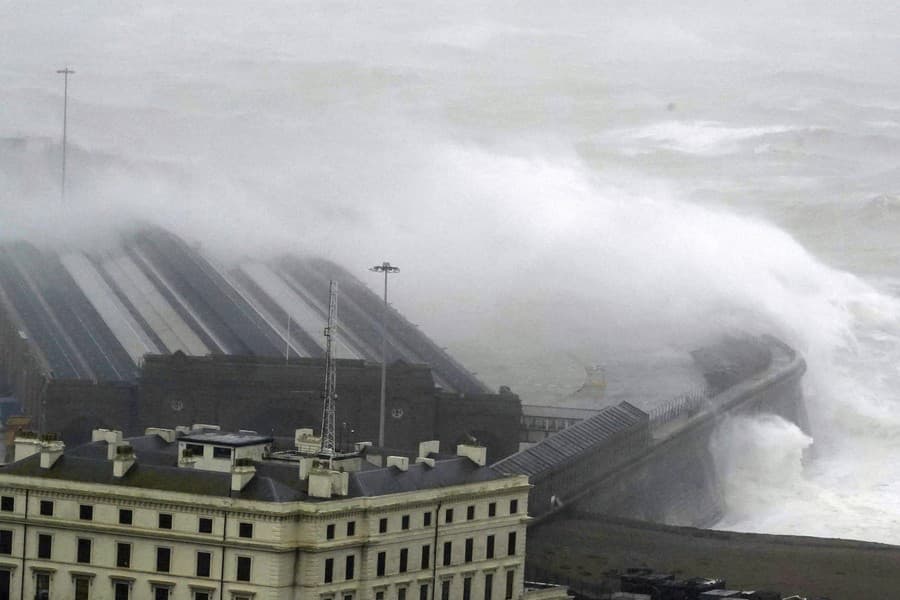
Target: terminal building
x,y
201,514
149,330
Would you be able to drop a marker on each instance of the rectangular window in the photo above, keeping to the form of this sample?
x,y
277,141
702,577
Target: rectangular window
x,y
511,543
47,508
45,545
426,556
42,585
448,553
163,559
470,512
221,452
82,588
7,503
470,546
243,568
351,528
488,586
194,449
245,530
204,559
467,588
489,549
382,525
84,551
165,521
448,516
86,512
404,522
205,525
5,541
349,567
492,509
198,595
160,592
404,559
329,531
401,593
445,589
379,595
121,590
423,591
513,506
426,519
123,555
125,516
510,579
329,570
381,562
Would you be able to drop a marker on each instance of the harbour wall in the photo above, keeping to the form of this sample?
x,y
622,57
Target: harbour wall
x,y
661,468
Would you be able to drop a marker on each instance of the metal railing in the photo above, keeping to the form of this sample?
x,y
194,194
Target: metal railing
x,y
688,405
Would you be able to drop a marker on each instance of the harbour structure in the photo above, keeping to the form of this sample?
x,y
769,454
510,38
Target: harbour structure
x,y
201,514
657,465
150,330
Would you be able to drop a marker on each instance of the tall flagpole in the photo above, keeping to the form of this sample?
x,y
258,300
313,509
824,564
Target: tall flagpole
x,y
65,73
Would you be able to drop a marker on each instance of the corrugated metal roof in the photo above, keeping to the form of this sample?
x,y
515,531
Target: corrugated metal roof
x,y
570,443
93,315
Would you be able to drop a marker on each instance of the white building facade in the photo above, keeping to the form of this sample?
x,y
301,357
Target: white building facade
x,y
139,519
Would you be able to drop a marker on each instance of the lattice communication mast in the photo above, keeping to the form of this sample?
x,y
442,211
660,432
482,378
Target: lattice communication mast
x,y
329,394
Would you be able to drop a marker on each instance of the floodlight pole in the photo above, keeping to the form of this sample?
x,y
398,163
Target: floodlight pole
x,y
65,73
386,268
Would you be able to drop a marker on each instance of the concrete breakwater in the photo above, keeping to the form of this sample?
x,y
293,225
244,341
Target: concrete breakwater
x,y
656,467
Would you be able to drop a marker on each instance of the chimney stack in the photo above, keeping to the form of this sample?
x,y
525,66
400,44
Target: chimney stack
x,y
477,454
50,453
123,460
241,474
401,462
429,447
26,444
167,435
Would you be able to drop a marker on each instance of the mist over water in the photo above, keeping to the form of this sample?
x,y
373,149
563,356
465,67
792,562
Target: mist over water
x,y
597,181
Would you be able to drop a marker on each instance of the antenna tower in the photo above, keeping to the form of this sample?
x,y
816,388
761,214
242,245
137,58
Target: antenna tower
x,y
329,396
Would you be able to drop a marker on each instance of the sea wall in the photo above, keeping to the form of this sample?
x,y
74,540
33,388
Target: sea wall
x,y
673,480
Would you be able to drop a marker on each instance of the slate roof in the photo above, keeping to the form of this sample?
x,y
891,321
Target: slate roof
x,y
275,481
568,444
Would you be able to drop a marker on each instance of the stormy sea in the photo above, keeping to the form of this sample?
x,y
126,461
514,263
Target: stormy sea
x,y
563,183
